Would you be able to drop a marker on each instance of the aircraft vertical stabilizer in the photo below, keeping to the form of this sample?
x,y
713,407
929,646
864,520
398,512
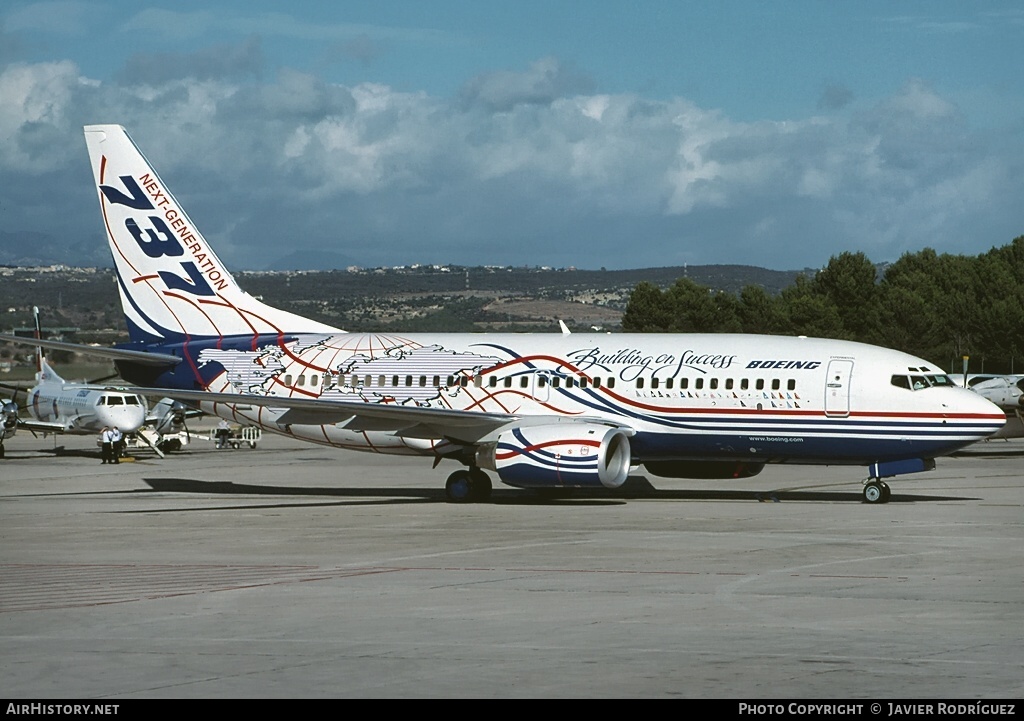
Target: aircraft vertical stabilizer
x,y
173,286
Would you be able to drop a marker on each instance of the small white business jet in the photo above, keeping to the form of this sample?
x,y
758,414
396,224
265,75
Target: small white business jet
x,y
540,411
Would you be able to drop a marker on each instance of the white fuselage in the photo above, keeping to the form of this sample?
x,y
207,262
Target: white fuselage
x,y
756,398
74,408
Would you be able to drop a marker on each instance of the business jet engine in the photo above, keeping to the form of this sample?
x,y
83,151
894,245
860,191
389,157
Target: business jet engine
x,y
703,469
564,455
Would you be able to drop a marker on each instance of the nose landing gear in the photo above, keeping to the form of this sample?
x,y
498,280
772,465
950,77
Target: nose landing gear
x,y
876,491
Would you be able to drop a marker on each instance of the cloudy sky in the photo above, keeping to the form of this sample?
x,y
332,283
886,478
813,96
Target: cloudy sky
x,y
589,133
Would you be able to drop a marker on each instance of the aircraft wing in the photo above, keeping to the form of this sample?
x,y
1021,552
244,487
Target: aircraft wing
x,y
41,426
136,356
404,420
410,421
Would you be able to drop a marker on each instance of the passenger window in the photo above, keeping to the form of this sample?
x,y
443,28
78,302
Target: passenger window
x,y
554,382
744,384
508,382
775,384
684,383
698,383
791,385
611,383
423,381
639,383
728,384
313,380
288,379
714,383
583,382
302,380
760,384
524,381
542,381
654,384
569,382
597,382
669,382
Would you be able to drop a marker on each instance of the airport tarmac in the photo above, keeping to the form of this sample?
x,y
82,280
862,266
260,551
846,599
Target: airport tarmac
x,y
295,571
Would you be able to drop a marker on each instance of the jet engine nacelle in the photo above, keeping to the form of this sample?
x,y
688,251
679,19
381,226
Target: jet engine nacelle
x,y
566,455
703,469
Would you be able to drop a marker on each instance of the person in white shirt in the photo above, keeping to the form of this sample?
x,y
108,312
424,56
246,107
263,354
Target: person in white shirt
x,y
116,445
106,445
223,431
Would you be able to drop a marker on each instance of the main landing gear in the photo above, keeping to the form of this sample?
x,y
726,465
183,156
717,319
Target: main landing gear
x,y
876,491
468,486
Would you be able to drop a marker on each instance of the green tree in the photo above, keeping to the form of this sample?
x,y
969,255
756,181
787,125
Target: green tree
x,y
759,312
647,311
808,312
848,282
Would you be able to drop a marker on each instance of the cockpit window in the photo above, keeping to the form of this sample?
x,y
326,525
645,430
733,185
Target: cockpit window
x,y
917,382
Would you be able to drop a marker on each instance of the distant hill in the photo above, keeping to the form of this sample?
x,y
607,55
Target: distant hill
x,y
413,298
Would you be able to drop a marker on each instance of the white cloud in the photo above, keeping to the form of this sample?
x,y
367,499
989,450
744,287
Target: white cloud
x,y
532,169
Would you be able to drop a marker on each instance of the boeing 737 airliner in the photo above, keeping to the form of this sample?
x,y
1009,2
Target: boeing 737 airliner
x,y
540,411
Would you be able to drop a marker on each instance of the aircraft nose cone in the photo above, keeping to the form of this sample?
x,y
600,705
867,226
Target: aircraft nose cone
x,y
990,416
128,419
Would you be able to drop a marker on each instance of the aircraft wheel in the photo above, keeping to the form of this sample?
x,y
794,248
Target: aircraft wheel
x,y
459,487
874,492
481,484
